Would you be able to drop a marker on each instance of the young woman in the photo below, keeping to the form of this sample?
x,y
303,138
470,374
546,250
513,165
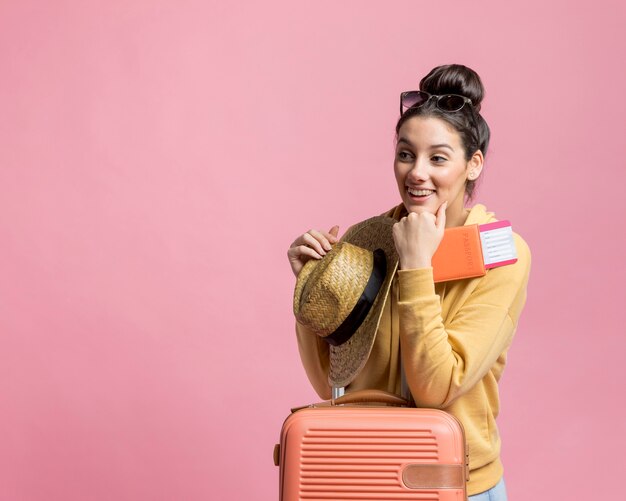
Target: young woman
x,y
453,335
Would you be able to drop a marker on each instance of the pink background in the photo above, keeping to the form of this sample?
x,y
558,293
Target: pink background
x,y
158,157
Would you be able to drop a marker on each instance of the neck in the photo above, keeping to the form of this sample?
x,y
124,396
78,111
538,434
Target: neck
x,y
456,218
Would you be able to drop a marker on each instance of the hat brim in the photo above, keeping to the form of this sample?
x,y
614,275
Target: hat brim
x,y
347,360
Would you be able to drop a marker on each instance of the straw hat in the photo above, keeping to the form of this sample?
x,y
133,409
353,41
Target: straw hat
x,y
341,297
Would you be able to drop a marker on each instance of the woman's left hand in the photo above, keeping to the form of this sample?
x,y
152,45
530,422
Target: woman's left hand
x,y
417,237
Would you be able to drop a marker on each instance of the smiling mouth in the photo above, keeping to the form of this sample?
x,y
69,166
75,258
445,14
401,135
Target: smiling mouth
x,y
419,192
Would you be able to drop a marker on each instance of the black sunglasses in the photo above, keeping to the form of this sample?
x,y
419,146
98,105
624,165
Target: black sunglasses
x,y
445,102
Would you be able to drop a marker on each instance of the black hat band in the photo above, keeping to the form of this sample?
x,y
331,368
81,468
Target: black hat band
x,y
363,306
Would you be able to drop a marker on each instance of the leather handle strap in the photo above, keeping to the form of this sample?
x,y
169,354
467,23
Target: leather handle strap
x,y
371,396
434,476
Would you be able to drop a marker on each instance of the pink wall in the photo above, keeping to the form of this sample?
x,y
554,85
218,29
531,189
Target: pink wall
x,y
158,157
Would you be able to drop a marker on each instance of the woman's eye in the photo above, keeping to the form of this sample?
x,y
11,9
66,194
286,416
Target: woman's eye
x,y
438,158
404,156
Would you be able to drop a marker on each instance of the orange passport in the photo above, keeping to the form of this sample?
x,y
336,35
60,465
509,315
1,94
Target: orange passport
x,y
468,251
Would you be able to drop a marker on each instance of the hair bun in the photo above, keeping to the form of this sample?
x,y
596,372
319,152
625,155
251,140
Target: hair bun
x,y
454,79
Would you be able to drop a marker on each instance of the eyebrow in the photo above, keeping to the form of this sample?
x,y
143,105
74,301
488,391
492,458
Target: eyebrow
x,y
432,147
442,145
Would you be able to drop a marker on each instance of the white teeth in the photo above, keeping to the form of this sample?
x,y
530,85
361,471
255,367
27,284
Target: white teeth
x,y
419,193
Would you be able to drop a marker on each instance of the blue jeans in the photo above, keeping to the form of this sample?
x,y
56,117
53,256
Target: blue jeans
x,y
496,493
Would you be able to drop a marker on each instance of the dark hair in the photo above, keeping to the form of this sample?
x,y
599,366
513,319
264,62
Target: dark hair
x,y
471,126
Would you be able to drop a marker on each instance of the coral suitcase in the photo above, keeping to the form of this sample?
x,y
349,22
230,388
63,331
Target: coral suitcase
x,y
364,452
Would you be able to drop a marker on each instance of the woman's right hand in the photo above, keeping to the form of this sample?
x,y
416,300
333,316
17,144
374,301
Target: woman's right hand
x,y
311,245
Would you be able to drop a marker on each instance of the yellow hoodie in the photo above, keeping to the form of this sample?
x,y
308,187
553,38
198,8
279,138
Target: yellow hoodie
x,y
454,337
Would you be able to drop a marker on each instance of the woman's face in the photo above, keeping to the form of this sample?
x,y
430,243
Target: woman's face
x,y
431,168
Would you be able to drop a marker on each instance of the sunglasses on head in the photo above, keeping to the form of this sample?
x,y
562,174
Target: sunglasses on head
x,y
445,102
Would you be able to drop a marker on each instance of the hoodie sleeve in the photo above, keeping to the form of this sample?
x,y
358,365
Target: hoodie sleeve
x,y
314,353
442,362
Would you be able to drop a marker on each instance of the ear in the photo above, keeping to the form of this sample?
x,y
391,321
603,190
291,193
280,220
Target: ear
x,y
475,165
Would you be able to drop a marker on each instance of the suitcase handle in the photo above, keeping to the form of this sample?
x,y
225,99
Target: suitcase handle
x,y
370,396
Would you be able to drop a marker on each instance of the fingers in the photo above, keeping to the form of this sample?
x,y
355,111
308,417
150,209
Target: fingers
x,y
312,244
298,252
318,241
325,239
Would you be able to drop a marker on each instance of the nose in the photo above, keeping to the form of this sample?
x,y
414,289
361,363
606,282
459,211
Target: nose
x,y
419,172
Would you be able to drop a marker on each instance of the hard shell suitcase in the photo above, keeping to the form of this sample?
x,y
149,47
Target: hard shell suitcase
x,y
364,452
